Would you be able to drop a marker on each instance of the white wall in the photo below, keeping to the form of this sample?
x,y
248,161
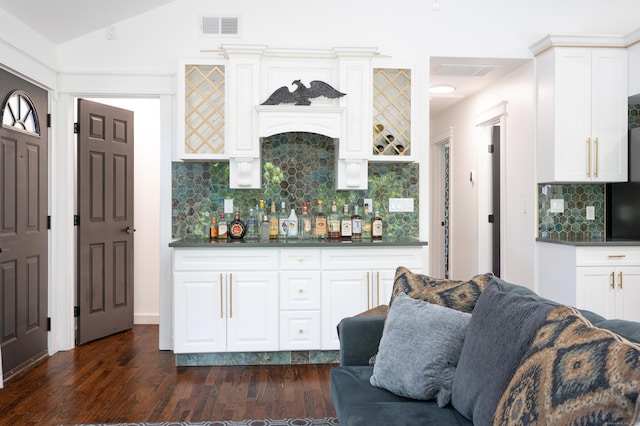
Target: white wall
x,y
518,251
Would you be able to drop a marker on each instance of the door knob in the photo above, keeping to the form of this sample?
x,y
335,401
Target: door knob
x,y
130,230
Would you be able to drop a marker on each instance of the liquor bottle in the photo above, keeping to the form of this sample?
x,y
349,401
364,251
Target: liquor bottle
x,y
252,225
223,229
237,228
333,222
376,226
356,225
264,228
273,222
320,222
261,209
305,223
283,221
346,231
366,223
213,230
292,221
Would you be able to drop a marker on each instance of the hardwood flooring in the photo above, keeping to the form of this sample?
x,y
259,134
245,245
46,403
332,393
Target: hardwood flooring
x,y
125,378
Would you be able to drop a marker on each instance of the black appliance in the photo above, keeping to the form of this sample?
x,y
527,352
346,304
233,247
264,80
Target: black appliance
x,y
623,199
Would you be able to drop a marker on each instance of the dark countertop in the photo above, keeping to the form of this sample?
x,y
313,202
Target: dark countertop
x,y
194,242
592,242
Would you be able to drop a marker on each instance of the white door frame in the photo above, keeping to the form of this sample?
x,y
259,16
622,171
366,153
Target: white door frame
x,y
436,203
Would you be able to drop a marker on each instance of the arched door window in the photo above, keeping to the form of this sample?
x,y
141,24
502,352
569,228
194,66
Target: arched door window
x,y
19,113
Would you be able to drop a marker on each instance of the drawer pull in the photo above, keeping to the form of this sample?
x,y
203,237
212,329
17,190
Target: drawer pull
x,y
613,280
301,259
301,331
617,256
300,290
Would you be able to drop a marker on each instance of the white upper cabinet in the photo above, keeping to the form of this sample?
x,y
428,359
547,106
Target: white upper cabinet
x,y
582,114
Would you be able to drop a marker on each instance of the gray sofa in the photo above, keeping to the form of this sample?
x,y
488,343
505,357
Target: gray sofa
x,y
479,394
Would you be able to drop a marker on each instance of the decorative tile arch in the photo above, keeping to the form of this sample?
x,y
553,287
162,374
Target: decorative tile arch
x,y
19,113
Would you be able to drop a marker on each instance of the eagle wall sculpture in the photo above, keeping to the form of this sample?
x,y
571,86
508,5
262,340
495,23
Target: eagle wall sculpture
x,y
302,94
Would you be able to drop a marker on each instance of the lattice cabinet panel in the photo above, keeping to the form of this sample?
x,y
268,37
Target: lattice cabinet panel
x,y
204,109
391,112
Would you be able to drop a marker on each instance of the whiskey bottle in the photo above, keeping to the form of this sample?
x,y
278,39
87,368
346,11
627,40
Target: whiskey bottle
x,y
283,222
213,230
356,225
320,222
273,222
223,229
366,223
333,222
305,223
237,228
346,231
376,226
292,222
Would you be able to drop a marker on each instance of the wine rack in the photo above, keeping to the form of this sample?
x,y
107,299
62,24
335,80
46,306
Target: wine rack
x,y
204,109
391,112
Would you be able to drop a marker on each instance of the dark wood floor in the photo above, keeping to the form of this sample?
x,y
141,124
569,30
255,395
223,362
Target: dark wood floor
x,y
125,378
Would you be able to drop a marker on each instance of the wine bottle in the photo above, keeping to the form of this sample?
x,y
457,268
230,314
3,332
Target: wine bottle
x,y
237,228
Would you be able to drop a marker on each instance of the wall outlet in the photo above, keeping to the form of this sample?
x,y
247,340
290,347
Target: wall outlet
x,y
368,202
591,213
400,204
228,206
557,206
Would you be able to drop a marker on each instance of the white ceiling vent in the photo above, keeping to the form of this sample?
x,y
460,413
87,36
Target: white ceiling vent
x,y
463,70
219,25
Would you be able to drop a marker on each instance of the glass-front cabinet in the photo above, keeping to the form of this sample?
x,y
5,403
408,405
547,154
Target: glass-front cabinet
x,y
391,133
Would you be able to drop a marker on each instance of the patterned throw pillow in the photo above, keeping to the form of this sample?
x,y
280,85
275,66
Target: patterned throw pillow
x,y
573,374
454,294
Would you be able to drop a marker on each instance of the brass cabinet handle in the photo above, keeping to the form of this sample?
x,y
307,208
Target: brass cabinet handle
x,y
221,301
620,280
597,158
378,286
230,295
368,292
613,280
617,256
588,157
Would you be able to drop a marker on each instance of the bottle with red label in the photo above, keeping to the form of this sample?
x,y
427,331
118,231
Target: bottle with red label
x,y
237,228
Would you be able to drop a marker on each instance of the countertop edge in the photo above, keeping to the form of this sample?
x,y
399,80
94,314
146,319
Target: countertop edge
x,y
602,243
205,243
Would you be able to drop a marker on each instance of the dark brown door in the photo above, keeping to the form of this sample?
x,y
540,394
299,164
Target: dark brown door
x,y
23,223
105,210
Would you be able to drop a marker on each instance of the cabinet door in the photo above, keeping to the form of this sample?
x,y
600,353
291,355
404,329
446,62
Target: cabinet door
x,y
609,115
253,311
199,319
595,287
344,294
628,287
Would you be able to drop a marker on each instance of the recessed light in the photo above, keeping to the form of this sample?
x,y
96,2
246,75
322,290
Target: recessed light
x,y
442,89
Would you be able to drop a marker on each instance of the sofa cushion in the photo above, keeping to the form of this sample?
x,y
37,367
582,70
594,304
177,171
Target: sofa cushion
x,y
357,403
501,330
455,294
630,330
419,349
573,373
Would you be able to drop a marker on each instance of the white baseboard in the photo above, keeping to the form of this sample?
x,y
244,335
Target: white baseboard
x,y
146,319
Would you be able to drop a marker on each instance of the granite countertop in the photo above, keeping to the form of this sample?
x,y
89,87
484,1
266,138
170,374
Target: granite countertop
x,y
193,242
593,242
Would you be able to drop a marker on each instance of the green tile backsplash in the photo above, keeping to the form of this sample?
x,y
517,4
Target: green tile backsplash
x,y
571,224
306,164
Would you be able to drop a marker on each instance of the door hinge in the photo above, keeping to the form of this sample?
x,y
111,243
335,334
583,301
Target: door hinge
x,y
490,148
48,324
76,128
49,120
76,311
76,220
48,222
491,218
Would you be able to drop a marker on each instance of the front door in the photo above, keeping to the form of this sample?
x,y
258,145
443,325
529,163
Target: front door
x,y
105,218
23,223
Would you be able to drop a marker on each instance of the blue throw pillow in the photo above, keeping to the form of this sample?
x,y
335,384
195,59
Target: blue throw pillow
x,y
501,330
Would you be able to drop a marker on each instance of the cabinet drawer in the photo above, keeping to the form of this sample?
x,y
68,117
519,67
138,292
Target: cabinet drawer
x,y
371,258
603,256
300,330
300,290
224,260
299,259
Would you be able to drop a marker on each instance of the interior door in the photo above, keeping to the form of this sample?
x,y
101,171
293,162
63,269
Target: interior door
x,y
105,219
23,223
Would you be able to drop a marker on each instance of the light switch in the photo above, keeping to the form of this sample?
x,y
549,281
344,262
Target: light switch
x,y
228,206
591,213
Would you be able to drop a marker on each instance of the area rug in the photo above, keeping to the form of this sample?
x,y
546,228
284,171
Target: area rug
x,y
327,421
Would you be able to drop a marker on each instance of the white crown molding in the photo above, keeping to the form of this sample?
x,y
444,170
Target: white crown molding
x,y
578,41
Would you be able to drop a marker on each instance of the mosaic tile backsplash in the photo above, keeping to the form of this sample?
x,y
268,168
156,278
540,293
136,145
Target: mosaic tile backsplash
x,y
572,223
297,167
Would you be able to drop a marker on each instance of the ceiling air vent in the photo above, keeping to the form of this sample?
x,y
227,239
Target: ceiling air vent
x,y
463,70
220,26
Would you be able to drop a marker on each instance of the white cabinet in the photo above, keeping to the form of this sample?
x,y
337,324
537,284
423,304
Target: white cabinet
x,y
605,280
225,300
357,279
582,114
300,299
